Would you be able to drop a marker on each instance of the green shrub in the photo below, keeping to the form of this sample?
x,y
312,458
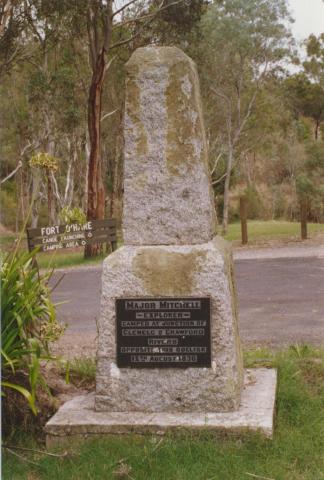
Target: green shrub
x,y
28,324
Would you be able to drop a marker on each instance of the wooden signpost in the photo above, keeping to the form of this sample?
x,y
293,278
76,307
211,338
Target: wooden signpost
x,y
243,216
72,235
303,218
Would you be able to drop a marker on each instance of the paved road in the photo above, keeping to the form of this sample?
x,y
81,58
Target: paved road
x,y
281,300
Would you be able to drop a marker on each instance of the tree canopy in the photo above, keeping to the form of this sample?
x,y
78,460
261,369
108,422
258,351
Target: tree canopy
x,y
62,91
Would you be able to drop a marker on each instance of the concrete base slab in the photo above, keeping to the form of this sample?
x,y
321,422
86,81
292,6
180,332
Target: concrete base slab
x,y
77,419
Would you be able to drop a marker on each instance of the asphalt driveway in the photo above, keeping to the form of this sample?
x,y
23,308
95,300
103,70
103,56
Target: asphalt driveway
x,y
281,300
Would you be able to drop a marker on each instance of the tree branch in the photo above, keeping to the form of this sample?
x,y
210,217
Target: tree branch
x,y
219,179
151,17
14,447
21,457
246,117
133,20
123,8
221,95
108,114
56,190
107,66
12,173
214,182
258,476
216,162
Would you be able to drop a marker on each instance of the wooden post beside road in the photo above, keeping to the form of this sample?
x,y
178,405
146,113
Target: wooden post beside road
x,y
243,216
303,217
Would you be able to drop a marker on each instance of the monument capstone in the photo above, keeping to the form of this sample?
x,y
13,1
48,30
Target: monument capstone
x,y
169,351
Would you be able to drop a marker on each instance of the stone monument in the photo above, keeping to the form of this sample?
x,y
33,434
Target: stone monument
x,y
170,248
169,352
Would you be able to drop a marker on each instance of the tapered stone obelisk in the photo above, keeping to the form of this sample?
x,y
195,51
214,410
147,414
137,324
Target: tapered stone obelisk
x,y
170,248
167,189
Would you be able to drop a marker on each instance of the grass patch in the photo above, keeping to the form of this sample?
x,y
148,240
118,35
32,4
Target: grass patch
x,y
295,453
259,232
264,231
80,371
68,259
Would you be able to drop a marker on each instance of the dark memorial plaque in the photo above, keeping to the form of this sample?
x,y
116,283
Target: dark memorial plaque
x,y
163,332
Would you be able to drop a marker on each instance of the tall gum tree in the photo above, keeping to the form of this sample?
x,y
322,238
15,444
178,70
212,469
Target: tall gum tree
x,y
243,41
314,69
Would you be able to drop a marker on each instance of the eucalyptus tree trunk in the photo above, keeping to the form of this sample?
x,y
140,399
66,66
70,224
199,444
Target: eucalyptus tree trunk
x,y
96,191
99,24
118,172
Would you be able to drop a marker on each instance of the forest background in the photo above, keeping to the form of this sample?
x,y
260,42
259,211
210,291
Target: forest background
x,y
62,85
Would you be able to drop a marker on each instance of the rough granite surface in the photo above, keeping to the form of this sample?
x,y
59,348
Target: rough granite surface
x,y
167,188
77,419
167,270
